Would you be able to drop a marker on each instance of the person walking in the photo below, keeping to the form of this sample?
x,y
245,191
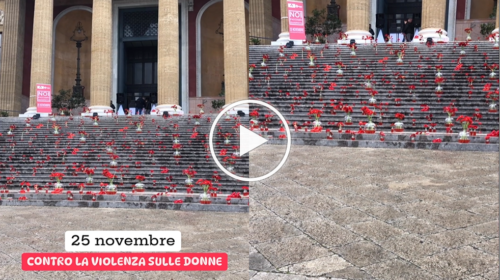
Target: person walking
x,y
139,106
147,106
371,30
409,30
112,105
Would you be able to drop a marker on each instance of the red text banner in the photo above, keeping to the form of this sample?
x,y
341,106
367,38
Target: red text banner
x,y
124,261
296,20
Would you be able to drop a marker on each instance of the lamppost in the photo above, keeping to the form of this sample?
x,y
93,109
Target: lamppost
x,y
333,8
78,37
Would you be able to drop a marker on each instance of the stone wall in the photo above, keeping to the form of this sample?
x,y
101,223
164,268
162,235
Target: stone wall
x,y
471,23
481,9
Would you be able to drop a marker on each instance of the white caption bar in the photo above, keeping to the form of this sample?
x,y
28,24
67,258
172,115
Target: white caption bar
x,y
122,241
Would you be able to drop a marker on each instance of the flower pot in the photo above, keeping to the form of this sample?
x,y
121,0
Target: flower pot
x,y
370,128
448,122
89,180
139,187
463,141
205,201
110,189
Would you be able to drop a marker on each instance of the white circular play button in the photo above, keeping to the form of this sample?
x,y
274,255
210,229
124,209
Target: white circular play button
x,y
249,140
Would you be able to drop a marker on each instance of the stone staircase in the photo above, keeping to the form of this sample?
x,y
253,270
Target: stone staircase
x,y
32,153
294,88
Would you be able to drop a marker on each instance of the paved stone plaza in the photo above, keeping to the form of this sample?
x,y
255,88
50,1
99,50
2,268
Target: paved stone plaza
x,y
41,229
375,214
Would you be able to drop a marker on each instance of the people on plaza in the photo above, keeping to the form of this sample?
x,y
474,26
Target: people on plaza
x,y
371,30
112,105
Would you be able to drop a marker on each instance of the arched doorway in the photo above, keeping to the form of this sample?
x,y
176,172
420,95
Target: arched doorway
x,y
210,49
65,52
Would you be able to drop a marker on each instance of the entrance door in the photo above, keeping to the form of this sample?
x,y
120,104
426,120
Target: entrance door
x,y
141,60
138,56
397,11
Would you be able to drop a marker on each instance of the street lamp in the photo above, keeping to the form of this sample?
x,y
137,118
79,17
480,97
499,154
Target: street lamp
x,y
78,37
333,8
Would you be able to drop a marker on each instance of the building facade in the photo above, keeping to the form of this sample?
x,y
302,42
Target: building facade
x,y
176,52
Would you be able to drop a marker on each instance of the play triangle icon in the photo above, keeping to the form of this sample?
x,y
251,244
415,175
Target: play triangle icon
x,y
249,140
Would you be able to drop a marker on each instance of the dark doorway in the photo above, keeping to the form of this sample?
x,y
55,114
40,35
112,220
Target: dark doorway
x,y
138,56
397,11
141,60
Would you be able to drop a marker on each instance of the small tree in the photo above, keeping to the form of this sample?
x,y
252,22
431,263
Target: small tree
x,y
66,100
487,28
322,23
219,103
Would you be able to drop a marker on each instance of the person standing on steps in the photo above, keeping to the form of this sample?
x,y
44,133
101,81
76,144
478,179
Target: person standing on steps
x,y
139,105
371,30
147,106
112,105
409,30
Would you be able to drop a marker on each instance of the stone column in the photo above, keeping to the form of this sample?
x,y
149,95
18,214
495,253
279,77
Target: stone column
x,y
433,19
11,72
101,64
235,52
41,54
168,56
261,20
358,19
495,31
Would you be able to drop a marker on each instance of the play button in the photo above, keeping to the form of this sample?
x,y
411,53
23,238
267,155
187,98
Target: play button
x,y
249,140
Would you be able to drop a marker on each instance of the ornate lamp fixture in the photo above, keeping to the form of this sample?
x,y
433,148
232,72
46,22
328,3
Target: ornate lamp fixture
x,y
78,37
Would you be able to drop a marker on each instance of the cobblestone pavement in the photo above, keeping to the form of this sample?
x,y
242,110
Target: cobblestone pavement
x,y
375,214
41,229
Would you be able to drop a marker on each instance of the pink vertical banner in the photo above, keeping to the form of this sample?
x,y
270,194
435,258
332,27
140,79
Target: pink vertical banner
x,y
43,98
296,20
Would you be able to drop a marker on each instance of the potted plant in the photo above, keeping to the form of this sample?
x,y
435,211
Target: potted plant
x,y
322,24
451,112
492,96
464,134
317,124
348,111
468,31
110,188
370,127
139,187
398,126
206,185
